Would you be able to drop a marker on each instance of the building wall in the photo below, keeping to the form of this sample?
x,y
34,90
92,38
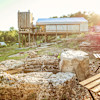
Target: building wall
x,y
25,20
73,28
50,28
83,27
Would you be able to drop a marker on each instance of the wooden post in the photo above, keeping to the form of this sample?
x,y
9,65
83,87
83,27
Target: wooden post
x,y
66,31
29,37
45,37
22,40
19,39
33,37
25,40
79,28
56,31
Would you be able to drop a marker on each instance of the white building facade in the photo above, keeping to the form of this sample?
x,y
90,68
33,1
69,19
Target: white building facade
x,y
74,24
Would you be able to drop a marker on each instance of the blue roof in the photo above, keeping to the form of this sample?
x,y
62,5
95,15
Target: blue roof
x,y
61,20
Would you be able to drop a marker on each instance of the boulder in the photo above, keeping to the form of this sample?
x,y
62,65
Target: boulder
x,y
76,62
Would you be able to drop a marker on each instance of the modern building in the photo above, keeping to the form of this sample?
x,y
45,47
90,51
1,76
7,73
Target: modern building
x,y
63,25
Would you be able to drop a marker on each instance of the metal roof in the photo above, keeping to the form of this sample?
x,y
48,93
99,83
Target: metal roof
x,y
61,20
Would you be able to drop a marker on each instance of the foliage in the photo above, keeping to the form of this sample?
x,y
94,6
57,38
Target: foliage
x,y
93,18
73,36
9,37
59,55
50,53
54,17
2,46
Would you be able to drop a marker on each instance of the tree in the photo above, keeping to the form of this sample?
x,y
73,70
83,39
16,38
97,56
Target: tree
x,y
93,18
54,17
11,29
10,36
64,16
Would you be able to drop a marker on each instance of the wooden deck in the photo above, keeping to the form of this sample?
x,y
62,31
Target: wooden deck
x,y
51,33
97,56
92,84
47,33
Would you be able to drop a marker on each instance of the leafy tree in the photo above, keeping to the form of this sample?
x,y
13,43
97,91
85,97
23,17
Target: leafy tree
x,y
64,16
93,18
54,17
11,29
10,36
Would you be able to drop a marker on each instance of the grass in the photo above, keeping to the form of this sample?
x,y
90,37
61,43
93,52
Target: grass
x,y
18,58
73,36
7,51
76,35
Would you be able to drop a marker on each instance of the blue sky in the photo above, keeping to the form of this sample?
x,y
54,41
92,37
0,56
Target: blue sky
x,y
42,9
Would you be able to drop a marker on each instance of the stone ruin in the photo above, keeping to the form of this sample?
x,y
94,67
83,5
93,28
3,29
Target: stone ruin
x,y
76,62
42,85
43,78
42,63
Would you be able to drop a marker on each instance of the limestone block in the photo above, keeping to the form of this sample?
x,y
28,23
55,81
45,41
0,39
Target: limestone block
x,y
76,62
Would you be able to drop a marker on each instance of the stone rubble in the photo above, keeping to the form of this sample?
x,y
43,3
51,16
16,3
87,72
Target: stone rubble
x,y
10,64
85,44
94,65
32,54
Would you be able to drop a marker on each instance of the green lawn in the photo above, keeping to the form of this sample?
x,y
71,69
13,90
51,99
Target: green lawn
x,y
7,51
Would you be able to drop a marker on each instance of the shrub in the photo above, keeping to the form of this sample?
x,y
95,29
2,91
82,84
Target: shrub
x,y
2,46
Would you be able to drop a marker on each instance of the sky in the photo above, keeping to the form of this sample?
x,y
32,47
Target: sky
x,y
42,9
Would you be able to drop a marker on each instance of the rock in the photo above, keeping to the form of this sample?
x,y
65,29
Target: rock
x,y
10,64
32,54
85,44
44,85
76,62
41,86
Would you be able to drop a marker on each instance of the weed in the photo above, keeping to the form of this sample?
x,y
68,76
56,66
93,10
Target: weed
x,y
73,36
50,54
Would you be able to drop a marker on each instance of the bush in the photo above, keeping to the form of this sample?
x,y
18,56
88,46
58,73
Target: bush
x,y
2,46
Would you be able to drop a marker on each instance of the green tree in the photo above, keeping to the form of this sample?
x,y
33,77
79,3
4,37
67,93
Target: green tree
x,y
11,29
10,36
93,18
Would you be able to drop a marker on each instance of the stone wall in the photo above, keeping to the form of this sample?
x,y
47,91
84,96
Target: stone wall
x,y
37,85
42,63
